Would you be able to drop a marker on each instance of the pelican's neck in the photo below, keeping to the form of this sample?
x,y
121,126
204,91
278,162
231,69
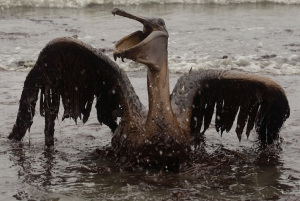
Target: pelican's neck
x,y
160,111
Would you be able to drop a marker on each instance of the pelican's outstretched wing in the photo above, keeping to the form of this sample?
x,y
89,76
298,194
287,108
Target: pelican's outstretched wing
x,y
76,72
258,101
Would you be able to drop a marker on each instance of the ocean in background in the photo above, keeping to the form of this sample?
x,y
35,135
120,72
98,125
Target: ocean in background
x,y
261,37
252,37
85,3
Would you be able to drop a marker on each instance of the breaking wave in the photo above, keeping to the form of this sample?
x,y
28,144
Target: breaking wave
x,y
277,66
178,64
86,3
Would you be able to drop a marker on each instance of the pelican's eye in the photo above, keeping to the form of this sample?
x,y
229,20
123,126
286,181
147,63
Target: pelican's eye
x,y
161,22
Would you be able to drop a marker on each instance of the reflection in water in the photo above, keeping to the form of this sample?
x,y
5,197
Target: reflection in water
x,y
251,174
214,172
35,168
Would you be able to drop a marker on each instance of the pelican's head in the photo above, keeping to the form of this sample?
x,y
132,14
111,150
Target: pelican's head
x,y
148,46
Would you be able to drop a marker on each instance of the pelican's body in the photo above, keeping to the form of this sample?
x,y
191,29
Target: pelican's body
x,y
160,137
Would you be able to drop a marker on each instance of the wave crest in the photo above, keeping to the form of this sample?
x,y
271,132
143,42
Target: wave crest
x,y
86,3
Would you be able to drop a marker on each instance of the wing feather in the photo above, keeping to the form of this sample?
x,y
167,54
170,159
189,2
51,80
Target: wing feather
x,y
208,113
249,99
219,107
243,117
77,73
252,118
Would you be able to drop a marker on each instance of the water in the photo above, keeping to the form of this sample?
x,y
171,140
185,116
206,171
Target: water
x,y
257,37
85,3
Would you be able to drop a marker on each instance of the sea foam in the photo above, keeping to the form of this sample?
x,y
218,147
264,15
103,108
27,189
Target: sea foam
x,y
85,3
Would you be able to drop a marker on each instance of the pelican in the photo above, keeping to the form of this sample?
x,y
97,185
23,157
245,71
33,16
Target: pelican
x,y
74,73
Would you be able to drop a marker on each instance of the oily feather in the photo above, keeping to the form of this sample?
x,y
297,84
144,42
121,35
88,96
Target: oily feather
x,y
76,73
252,100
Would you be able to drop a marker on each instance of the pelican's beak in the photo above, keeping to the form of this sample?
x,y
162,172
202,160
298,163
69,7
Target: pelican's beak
x,y
138,44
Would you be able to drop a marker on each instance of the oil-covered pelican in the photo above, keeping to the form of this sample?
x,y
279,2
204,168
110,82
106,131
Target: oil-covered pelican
x,y
74,72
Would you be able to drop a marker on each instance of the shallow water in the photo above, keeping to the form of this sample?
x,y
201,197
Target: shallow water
x,y
255,37
225,169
